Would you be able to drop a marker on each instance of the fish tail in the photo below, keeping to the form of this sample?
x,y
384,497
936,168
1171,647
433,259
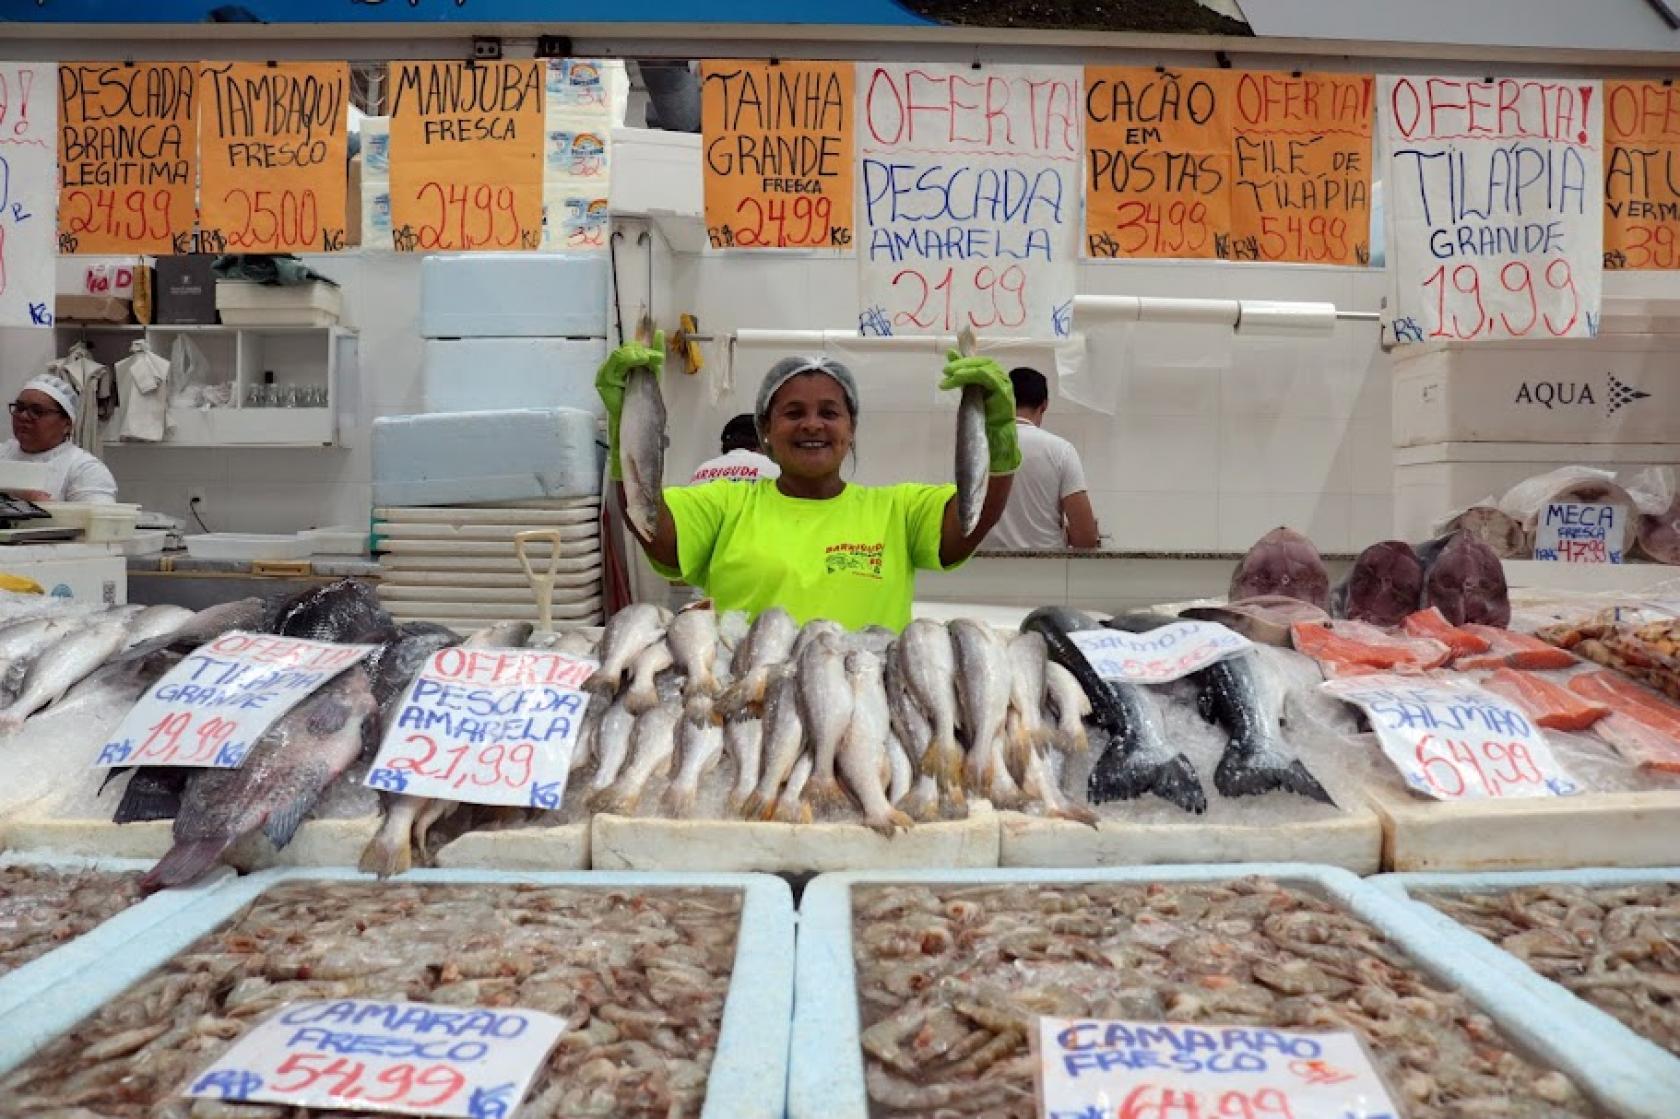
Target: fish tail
x,y
1078,813
1253,773
1127,776
602,683
922,802
11,721
750,806
700,710
386,856
680,801
1018,752
825,792
640,700
184,863
890,822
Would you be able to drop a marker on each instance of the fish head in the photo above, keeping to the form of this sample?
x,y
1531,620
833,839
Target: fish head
x,y
1385,585
1050,620
1282,562
1467,583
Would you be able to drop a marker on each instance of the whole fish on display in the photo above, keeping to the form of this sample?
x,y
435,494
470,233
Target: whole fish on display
x,y
206,625
973,458
345,611
983,689
154,622
1384,585
1282,562
693,638
641,451
628,633
1265,620
929,664
281,779
863,753
768,642
60,667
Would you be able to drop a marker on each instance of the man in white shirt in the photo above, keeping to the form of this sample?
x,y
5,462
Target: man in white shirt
x,y
741,461
1048,508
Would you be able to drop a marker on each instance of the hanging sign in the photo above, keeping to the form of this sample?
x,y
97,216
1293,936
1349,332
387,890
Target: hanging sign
x,y
969,198
1301,167
487,726
1495,207
410,1058
1641,175
1158,162
128,154
466,155
1097,1068
1160,656
28,192
273,156
778,154
210,709
1571,533
1455,741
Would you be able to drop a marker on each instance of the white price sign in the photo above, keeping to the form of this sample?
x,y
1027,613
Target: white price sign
x,y
1456,741
1571,533
1161,655
28,192
1101,1069
487,726
405,1057
210,709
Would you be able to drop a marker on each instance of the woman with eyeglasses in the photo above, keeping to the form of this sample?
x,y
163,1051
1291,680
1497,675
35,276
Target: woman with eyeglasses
x,y
809,541
41,429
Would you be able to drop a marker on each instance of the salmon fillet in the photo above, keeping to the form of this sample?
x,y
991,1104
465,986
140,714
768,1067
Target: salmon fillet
x,y
1513,650
1345,648
1547,702
1433,624
1642,726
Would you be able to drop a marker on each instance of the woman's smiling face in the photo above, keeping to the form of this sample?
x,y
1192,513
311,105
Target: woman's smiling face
x,y
809,430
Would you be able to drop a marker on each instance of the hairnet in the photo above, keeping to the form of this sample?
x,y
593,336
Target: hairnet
x,y
62,392
790,367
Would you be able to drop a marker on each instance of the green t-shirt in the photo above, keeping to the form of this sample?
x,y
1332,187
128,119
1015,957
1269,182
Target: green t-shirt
x,y
852,558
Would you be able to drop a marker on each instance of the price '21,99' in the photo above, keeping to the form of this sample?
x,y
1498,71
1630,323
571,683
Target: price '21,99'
x,y
949,300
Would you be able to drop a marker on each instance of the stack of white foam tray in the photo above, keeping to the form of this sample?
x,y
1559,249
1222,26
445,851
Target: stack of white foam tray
x,y
456,565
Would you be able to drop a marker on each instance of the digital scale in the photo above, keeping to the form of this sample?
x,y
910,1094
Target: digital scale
x,y
15,512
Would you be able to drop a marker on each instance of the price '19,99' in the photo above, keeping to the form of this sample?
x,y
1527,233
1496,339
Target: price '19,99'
x,y
1469,303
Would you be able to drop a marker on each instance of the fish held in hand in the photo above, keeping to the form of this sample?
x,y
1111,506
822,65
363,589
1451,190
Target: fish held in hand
x,y
642,443
973,458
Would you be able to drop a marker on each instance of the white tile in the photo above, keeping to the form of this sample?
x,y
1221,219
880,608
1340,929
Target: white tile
x,y
1155,521
1170,390
313,466
1295,377
185,465
1370,459
1372,520
1322,518
272,507
1281,455
1141,454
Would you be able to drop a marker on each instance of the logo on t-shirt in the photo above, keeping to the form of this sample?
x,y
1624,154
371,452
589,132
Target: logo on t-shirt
x,y
746,472
855,559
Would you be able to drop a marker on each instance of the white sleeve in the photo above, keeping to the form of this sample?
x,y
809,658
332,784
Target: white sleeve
x,y
90,480
1072,472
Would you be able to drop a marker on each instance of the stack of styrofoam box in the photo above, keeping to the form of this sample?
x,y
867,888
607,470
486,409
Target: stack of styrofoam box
x,y
1473,419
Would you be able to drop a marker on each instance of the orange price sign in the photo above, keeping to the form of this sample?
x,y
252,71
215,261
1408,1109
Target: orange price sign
x,y
1301,167
273,156
1641,175
779,154
128,157
466,155
1157,162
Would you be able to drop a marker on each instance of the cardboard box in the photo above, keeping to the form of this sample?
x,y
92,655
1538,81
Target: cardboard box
x,y
185,290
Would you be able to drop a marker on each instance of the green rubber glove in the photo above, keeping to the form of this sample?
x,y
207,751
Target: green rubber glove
x,y
610,381
984,373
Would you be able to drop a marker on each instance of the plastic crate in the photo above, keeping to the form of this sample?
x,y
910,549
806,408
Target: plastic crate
x,y
826,1076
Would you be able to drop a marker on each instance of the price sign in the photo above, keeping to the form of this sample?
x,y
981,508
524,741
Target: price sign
x,y
28,192
1144,1070
1161,655
404,1057
1495,206
466,155
487,726
273,156
970,192
210,709
1301,167
1455,741
1641,175
1158,159
779,154
128,154
1570,533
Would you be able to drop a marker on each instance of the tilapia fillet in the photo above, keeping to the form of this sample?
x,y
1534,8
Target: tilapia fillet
x,y
640,976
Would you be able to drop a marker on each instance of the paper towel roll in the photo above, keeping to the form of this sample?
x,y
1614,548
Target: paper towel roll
x,y
1264,317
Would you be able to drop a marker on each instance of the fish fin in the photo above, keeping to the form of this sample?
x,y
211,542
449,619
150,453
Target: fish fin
x,y
1118,776
284,821
149,797
184,863
111,775
1239,774
890,824
386,856
1204,705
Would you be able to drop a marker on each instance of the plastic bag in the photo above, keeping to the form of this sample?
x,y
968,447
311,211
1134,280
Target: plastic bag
x,y
190,374
1652,489
1524,500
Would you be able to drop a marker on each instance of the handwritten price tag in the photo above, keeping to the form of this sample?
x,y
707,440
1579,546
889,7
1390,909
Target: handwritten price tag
x,y
1137,1070
212,707
1159,656
406,1057
486,726
1570,533
1455,741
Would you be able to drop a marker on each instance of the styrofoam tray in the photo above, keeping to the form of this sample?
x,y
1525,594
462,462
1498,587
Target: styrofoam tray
x,y
237,546
92,949
504,563
563,511
1659,1062
397,577
335,841
826,1079
579,548
748,1077
583,529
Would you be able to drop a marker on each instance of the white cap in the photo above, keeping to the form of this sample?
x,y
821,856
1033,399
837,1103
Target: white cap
x,y
62,391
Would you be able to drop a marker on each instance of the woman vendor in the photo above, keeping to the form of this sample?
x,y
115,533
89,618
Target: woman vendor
x,y
809,541
41,429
